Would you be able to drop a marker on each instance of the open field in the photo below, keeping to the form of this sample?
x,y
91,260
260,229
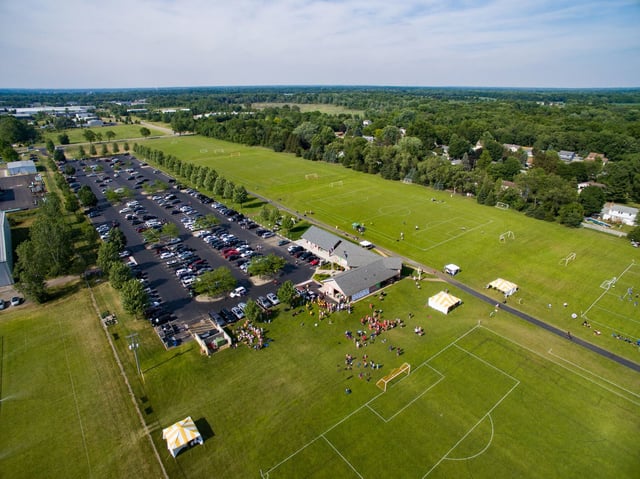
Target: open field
x,y
450,228
64,410
122,132
306,107
494,399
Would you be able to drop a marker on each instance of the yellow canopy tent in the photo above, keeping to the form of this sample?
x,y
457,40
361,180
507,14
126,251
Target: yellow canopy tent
x,y
444,302
505,287
181,435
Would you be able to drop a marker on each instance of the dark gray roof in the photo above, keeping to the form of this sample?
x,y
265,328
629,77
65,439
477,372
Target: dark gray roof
x,y
355,255
6,278
353,281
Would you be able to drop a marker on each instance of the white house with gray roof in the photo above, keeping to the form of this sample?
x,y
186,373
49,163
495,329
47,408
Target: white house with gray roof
x,y
619,214
365,271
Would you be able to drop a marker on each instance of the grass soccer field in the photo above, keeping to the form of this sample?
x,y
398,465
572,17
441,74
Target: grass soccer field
x,y
495,398
544,259
64,410
469,411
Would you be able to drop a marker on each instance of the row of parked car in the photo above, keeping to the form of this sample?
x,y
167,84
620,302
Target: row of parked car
x,y
227,316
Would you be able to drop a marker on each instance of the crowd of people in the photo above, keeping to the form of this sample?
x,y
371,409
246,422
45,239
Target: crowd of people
x,y
250,335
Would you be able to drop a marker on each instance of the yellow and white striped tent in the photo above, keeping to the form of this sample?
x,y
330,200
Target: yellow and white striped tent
x,y
444,302
505,287
180,435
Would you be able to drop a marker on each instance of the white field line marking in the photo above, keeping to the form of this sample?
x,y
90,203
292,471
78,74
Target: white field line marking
x,y
487,363
363,406
343,458
472,429
409,403
606,291
480,452
565,367
75,401
599,377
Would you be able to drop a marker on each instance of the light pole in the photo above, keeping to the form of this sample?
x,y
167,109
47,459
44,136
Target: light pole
x,y
133,346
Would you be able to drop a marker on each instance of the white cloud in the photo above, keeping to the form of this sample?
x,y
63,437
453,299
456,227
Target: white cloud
x,y
79,43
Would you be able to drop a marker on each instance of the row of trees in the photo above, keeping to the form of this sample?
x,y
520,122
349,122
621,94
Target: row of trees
x,y
201,177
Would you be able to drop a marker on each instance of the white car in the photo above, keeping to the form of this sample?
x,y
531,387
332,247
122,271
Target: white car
x,y
166,255
273,298
238,292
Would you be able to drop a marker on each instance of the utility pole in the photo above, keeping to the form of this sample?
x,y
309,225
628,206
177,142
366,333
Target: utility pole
x,y
133,346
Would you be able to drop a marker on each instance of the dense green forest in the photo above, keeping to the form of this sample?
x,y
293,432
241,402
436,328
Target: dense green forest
x,y
446,138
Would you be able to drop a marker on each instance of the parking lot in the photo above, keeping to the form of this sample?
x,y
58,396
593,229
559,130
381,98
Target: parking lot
x,y
168,271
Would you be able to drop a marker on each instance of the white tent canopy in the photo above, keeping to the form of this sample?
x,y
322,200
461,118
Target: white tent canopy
x,y
444,302
180,435
451,269
505,287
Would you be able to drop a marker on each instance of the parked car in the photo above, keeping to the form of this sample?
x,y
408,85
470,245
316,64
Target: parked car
x,y
273,299
237,312
238,292
263,302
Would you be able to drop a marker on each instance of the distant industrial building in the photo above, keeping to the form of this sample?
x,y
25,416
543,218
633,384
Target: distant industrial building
x,y
24,167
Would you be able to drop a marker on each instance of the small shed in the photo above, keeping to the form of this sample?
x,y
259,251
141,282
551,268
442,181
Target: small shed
x,y
451,269
444,302
505,287
181,435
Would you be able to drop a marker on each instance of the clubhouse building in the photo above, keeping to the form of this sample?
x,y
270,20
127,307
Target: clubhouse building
x,y
364,271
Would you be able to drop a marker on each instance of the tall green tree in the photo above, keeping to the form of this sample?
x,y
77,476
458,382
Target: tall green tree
x,y
214,283
51,148
119,274
89,135
145,132
240,195
110,135
134,299
592,200
30,275
287,293
253,312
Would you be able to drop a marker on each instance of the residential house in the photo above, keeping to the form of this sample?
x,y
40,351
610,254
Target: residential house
x,y
615,213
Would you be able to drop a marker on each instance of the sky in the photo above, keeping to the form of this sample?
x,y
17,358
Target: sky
x,y
179,43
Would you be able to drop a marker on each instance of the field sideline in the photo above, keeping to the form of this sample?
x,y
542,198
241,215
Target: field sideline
x,y
440,228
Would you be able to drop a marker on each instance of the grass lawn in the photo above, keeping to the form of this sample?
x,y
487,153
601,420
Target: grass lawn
x,y
450,228
65,411
123,132
306,107
495,399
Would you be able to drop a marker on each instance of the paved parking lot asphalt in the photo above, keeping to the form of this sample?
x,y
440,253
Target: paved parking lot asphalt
x,y
160,277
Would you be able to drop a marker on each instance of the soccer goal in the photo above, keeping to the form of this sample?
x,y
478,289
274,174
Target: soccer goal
x,y
502,206
235,153
382,382
204,150
218,150
507,235
335,184
311,176
568,259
